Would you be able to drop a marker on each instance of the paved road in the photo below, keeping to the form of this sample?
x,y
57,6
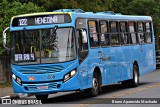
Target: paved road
x,y
149,88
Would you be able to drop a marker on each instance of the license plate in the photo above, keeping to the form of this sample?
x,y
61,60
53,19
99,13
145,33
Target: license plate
x,y
42,87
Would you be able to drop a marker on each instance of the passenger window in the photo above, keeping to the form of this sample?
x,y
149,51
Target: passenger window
x,y
104,27
140,30
104,37
132,32
93,33
114,27
114,33
148,32
124,33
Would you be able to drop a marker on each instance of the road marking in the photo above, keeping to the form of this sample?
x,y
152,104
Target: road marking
x,y
138,89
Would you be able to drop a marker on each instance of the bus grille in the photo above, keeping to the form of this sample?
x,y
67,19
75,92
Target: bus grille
x,y
41,69
34,87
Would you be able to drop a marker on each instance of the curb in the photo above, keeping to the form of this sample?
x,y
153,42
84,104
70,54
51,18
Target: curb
x,y
15,96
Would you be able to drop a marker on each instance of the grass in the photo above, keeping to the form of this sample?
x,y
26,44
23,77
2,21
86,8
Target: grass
x,y
5,84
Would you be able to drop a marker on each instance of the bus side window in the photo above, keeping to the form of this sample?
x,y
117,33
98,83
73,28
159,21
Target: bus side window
x,y
140,30
148,32
124,33
132,32
104,33
93,34
114,33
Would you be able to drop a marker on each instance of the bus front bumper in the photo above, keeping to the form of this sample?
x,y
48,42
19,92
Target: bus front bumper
x,y
47,87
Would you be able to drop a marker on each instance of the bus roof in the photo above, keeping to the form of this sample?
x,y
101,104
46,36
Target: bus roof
x,y
41,13
112,16
69,16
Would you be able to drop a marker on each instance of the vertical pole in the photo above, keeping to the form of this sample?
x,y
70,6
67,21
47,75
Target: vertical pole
x,y
40,46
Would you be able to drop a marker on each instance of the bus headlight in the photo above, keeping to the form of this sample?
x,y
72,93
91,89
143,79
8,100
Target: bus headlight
x,y
69,75
14,76
73,73
17,79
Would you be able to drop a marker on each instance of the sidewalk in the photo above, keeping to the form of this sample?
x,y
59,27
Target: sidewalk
x,y
7,91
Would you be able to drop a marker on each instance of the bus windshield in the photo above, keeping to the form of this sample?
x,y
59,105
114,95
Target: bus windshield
x,y
43,46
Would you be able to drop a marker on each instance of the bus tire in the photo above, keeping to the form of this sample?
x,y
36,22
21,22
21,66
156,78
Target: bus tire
x,y
95,85
135,81
132,82
43,98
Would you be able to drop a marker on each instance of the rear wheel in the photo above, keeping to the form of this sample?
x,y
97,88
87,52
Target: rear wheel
x,y
132,82
135,81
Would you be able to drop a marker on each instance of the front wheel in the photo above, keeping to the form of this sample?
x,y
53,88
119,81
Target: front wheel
x,y
95,85
43,98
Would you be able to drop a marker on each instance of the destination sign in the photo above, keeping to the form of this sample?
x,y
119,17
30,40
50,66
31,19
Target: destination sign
x,y
41,20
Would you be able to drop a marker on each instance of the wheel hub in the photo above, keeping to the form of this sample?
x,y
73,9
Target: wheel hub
x,y
95,84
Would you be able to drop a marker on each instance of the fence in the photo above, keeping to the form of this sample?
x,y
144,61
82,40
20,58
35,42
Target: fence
x,y
5,71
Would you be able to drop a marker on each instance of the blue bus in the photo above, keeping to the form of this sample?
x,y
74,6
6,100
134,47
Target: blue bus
x,y
69,50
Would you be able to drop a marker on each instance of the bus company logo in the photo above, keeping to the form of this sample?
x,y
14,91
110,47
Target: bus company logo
x,y
31,78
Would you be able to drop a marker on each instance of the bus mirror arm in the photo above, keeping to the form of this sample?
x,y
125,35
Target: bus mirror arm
x,y
4,39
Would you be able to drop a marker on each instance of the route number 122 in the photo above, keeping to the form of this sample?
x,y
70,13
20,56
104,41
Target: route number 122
x,y
22,22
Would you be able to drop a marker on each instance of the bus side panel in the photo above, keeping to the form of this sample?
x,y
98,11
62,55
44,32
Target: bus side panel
x,y
106,64
93,61
146,57
148,63
117,64
135,56
126,64
83,71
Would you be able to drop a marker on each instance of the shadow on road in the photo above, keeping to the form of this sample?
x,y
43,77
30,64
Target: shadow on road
x,y
79,97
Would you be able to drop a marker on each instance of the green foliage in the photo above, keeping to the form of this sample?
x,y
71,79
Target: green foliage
x,y
144,7
12,8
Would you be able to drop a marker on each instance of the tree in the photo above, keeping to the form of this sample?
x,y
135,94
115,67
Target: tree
x,y
133,7
9,9
144,7
120,6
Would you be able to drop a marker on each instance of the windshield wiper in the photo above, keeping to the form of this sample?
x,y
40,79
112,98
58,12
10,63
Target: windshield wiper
x,y
55,28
